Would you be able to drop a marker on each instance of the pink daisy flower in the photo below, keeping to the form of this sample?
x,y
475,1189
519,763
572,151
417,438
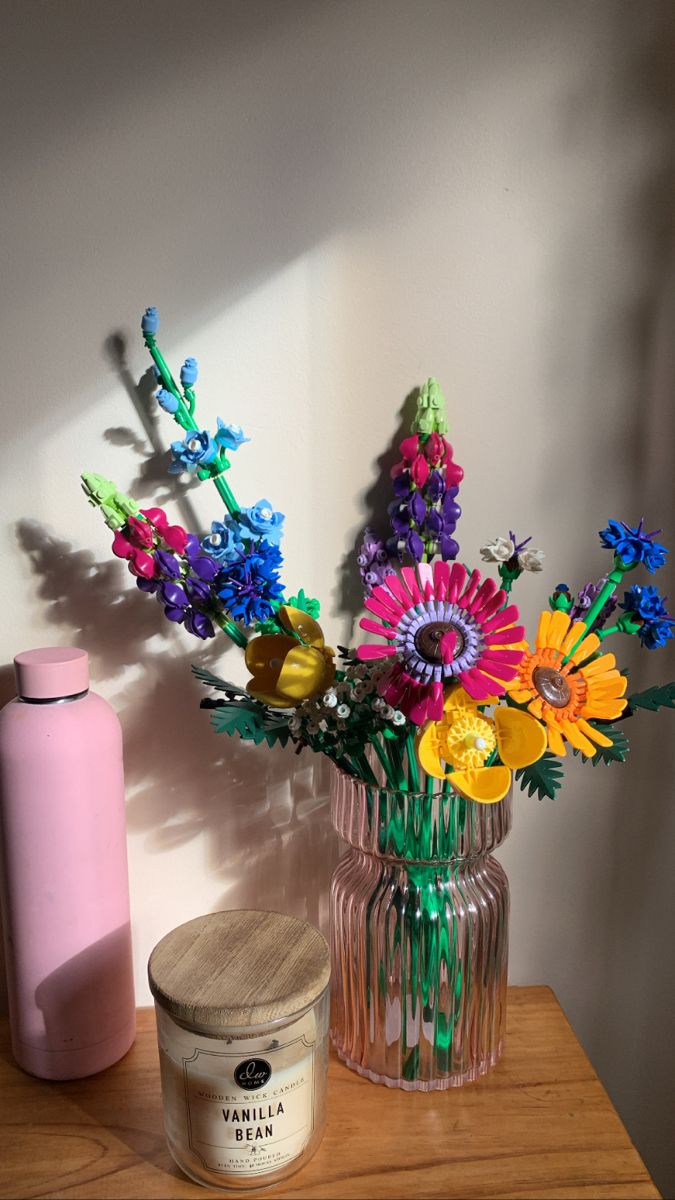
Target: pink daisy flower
x,y
442,628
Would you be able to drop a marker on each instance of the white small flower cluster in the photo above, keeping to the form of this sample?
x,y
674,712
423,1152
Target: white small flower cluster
x,y
531,560
501,549
352,700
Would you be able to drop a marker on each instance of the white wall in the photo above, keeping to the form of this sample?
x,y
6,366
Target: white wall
x,y
328,202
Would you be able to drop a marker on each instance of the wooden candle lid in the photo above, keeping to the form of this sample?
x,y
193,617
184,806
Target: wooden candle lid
x,y
239,968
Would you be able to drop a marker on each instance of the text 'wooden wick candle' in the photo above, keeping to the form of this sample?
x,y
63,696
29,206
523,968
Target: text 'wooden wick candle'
x,y
242,1024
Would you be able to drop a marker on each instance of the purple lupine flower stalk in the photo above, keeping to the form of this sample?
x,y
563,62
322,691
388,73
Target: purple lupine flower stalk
x,y
181,584
425,511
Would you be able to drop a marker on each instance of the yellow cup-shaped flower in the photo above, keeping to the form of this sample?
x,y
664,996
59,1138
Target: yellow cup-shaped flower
x,y
466,738
285,669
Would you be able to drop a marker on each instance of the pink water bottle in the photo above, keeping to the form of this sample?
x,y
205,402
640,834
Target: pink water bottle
x,y
65,893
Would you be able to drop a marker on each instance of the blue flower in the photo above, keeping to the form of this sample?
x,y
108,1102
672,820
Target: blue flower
x,y
167,401
262,521
230,437
655,634
249,585
150,320
196,450
646,604
632,545
189,372
224,541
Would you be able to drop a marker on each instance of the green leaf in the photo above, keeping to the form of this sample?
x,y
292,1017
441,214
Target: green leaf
x,y
305,604
652,699
543,777
251,721
221,685
608,754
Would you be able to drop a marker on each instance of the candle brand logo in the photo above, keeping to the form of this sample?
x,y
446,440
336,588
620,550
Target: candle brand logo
x,y
252,1074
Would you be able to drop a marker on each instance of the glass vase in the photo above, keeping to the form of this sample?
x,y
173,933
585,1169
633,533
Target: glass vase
x,y
419,941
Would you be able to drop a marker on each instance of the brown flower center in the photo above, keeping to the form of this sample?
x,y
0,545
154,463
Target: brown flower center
x,y
552,686
428,640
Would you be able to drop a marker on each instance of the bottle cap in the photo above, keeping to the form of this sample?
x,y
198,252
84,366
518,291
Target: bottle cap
x,y
51,673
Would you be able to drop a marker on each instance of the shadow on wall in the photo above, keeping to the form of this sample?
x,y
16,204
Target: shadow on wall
x,y
259,81
623,1011
348,592
152,483
263,814
630,1043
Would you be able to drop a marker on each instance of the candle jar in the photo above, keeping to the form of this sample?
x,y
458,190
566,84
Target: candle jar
x,y
242,1004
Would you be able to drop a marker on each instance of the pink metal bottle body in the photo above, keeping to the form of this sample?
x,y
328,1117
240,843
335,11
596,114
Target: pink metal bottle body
x,y
65,896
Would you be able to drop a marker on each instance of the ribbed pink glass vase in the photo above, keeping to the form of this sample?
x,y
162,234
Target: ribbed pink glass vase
x,y
419,912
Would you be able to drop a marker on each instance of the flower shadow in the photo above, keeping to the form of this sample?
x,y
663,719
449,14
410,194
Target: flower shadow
x,y
263,814
152,480
348,591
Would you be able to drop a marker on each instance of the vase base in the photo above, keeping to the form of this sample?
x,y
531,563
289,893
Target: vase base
x,y
422,1085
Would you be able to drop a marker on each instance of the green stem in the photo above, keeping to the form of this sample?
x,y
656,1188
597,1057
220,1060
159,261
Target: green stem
x,y
340,761
397,763
381,753
413,773
363,768
605,633
190,398
184,417
613,580
233,631
226,494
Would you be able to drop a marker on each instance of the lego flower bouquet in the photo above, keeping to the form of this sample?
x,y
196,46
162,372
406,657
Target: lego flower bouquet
x,y
447,684
426,720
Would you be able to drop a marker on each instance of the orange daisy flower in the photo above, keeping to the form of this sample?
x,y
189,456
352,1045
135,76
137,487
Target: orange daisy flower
x,y
565,694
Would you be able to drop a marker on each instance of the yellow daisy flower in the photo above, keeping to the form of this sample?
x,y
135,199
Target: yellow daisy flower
x,y
465,738
565,695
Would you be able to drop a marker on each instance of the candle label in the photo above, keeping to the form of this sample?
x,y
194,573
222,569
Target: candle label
x,y
249,1115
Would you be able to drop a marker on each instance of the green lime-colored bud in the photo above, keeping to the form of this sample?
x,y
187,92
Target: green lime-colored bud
x,y
114,505
430,416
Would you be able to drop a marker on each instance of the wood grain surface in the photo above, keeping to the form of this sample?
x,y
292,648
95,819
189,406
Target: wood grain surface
x,y
539,1126
238,968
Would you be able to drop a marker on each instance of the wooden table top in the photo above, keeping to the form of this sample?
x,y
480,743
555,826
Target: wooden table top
x,y
539,1125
